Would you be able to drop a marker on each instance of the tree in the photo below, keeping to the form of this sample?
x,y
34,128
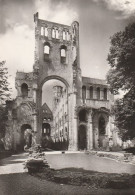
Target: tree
x,y
3,120
4,85
121,77
4,95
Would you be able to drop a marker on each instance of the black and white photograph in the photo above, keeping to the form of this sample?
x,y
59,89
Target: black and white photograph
x,y
67,97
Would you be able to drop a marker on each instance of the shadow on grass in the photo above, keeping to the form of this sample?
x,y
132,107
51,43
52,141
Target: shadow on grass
x,y
5,154
81,177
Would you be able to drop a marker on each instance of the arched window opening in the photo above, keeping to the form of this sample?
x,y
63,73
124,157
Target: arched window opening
x,y
105,94
53,33
67,36
101,126
84,92
91,92
42,31
83,116
98,93
46,129
46,31
63,54
57,34
46,51
24,89
64,35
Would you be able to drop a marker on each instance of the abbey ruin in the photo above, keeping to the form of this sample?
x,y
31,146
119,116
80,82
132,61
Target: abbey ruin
x,y
80,111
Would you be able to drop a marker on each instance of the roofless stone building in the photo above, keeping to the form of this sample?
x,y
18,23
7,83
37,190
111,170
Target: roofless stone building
x,y
80,113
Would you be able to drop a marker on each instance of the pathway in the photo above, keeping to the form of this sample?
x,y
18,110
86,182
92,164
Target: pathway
x,y
15,181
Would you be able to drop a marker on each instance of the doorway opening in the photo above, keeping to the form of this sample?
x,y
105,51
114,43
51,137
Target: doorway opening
x,y
82,138
102,130
26,136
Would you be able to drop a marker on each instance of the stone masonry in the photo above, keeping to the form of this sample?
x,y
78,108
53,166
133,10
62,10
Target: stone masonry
x,y
82,112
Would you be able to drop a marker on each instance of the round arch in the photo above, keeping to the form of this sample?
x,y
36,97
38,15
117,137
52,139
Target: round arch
x,y
54,77
24,89
83,115
46,129
25,136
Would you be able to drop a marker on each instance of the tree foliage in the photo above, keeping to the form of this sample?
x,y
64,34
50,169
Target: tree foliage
x,y
3,120
121,77
4,84
4,95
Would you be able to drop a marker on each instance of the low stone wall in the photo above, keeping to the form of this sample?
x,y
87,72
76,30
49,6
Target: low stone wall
x,y
126,157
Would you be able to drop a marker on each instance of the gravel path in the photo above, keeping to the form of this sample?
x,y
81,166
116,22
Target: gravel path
x,y
89,162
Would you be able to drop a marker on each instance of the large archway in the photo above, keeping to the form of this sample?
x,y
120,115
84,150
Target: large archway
x,y
26,136
54,77
54,109
82,137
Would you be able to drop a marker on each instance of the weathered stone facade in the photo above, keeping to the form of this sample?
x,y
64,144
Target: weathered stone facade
x,y
82,113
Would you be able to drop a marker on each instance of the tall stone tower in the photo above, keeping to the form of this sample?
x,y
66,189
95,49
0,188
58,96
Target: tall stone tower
x,y
57,57
57,90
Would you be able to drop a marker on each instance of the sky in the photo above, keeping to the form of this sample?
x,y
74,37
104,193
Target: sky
x,y
98,19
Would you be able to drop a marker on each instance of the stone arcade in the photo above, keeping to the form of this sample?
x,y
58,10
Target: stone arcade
x,y
81,109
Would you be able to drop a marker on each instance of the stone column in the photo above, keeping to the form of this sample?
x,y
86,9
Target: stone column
x,y
73,135
49,33
35,122
108,126
90,132
87,93
94,92
34,92
101,93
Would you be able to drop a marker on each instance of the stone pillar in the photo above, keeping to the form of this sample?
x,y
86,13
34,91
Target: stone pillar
x,y
94,92
87,93
108,127
101,93
49,33
35,122
34,92
90,132
73,135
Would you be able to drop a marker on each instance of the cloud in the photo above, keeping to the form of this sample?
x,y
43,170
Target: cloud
x,y
56,11
14,12
17,30
125,8
95,16
17,48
